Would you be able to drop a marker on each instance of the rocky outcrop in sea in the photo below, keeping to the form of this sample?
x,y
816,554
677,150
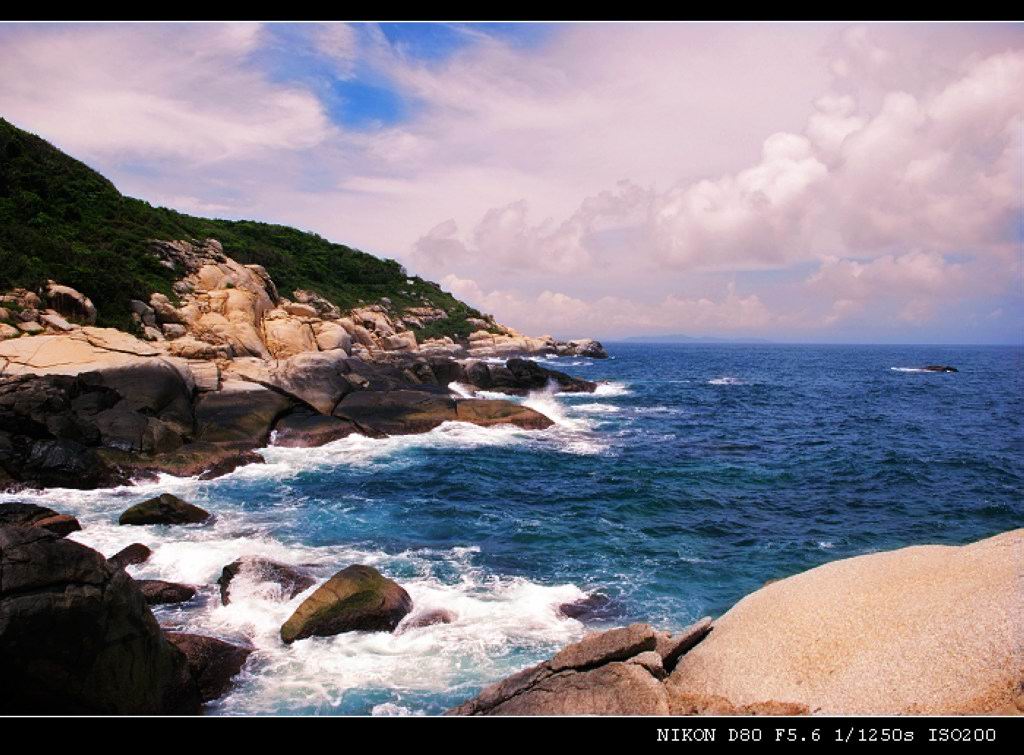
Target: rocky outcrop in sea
x,y
232,366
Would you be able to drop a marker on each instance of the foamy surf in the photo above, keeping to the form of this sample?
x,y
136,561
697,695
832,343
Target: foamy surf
x,y
727,380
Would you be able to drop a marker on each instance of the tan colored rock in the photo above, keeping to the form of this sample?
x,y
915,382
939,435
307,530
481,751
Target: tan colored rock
x,y
298,309
31,327
8,331
70,303
55,321
331,335
923,630
165,311
288,336
405,341
240,336
188,347
599,648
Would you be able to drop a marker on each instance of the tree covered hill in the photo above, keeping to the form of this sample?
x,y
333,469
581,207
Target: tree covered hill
x,y
60,219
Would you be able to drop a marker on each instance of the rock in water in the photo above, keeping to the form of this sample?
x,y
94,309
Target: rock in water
x,y
616,672
291,580
594,606
926,630
356,599
157,592
427,618
136,553
76,636
165,509
212,662
941,368
31,515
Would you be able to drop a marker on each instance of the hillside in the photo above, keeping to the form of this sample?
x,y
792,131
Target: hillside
x,y
60,219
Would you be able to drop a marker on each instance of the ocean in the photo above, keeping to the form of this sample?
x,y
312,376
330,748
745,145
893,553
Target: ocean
x,y
693,475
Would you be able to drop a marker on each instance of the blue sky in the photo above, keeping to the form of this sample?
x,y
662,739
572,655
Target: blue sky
x,y
799,182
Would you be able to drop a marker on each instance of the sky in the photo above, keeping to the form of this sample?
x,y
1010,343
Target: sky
x,y
796,182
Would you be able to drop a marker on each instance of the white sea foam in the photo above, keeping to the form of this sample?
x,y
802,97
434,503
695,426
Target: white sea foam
x,y
908,369
597,408
461,389
727,380
612,389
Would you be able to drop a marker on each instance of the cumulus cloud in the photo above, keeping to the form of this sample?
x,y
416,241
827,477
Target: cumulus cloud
x,y
153,92
611,177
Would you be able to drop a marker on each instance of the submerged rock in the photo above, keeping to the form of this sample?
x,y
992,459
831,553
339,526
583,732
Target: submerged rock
x,y
940,368
427,618
136,553
76,636
926,630
158,592
30,515
164,509
356,599
213,663
595,606
289,579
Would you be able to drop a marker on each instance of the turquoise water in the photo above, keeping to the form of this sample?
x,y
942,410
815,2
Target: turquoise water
x,y
695,474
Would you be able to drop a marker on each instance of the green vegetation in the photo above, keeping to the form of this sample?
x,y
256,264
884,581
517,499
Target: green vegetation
x,y
60,219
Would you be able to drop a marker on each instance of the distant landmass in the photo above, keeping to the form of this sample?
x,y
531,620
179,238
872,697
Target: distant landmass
x,y
680,338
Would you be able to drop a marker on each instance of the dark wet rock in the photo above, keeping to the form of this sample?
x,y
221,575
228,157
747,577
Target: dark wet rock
x,y
672,647
164,509
356,599
427,619
941,368
158,592
243,413
212,662
291,580
593,607
136,553
520,376
403,412
76,636
304,428
30,515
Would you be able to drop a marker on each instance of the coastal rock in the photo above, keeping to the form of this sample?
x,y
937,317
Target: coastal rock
x,y
304,428
290,580
317,378
584,347
356,599
402,412
240,412
18,514
427,618
672,647
76,636
213,663
164,509
940,368
519,377
158,592
594,606
136,553
925,630
600,648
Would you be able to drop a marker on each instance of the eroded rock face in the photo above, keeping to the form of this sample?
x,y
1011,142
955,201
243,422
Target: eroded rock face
x,y
30,515
164,509
76,636
922,630
356,599
212,662
289,580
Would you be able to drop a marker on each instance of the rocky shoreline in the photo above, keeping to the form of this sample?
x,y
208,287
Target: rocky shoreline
x,y
233,366
922,630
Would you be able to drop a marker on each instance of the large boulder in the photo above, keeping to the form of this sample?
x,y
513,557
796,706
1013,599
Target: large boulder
x,y
926,630
356,599
164,509
136,553
317,379
305,428
241,412
18,514
288,579
403,412
70,303
520,376
76,636
213,663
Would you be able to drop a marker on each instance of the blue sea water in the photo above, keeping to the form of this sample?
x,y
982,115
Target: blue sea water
x,y
693,475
